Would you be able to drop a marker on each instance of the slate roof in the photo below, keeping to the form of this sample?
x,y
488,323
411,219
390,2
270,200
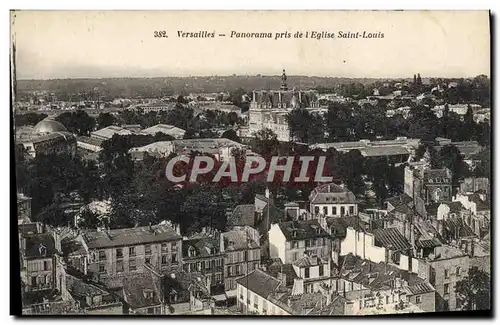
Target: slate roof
x,y
165,129
130,236
379,276
109,131
339,225
278,267
331,194
303,230
384,151
391,238
29,228
308,261
203,247
243,215
39,246
402,203
239,240
260,282
437,173
456,224
92,141
134,286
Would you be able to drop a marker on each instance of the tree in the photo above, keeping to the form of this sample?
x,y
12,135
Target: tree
x,y
78,122
451,158
231,135
474,291
266,143
105,120
28,119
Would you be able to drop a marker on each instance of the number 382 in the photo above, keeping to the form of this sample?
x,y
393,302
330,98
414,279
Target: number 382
x,y
160,33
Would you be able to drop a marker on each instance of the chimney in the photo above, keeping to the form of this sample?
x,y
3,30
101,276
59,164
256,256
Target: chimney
x,y
298,287
282,278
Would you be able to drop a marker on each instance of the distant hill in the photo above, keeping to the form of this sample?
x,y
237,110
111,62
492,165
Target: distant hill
x,y
157,87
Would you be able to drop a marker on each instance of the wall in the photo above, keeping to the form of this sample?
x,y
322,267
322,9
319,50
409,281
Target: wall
x,y
322,247
235,260
329,207
277,243
362,245
155,258
439,267
43,270
427,301
313,271
248,302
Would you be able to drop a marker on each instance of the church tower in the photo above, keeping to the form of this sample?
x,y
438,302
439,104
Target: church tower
x,y
284,86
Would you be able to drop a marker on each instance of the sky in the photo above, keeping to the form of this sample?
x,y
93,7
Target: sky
x,y
103,44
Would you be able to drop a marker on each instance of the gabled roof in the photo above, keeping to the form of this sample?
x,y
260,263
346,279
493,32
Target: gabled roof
x,y
203,247
260,283
299,230
391,238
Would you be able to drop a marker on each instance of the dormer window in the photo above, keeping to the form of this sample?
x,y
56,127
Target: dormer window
x,y
294,233
148,294
318,231
191,251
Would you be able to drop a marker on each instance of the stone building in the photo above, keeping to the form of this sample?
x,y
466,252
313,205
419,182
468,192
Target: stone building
x,y
269,108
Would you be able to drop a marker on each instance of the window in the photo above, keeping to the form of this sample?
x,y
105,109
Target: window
x,y
351,210
131,251
321,271
148,260
45,265
446,273
386,300
119,253
446,288
147,249
33,280
174,257
334,210
151,311
132,266
174,246
342,211
316,210
164,259
256,302
191,251
325,211
458,271
119,266
306,273
164,248
308,243
102,255
102,269
295,244
418,299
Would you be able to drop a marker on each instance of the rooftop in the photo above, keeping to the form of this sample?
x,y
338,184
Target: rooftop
x,y
391,238
238,240
130,236
331,194
260,283
299,230
39,246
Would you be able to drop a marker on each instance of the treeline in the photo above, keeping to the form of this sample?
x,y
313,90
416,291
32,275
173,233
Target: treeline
x,y
351,122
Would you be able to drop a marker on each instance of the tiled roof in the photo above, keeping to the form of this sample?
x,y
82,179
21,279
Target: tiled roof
x,y
299,230
130,236
339,225
437,173
260,282
391,238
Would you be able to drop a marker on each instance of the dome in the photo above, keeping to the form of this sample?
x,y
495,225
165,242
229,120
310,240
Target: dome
x,y
49,126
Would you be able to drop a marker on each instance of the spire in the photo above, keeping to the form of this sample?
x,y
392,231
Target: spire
x,y
283,81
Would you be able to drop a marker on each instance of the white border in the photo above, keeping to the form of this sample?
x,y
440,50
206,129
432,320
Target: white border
x,y
190,4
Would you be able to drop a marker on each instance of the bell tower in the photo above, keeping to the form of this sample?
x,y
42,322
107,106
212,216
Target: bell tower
x,y
284,86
